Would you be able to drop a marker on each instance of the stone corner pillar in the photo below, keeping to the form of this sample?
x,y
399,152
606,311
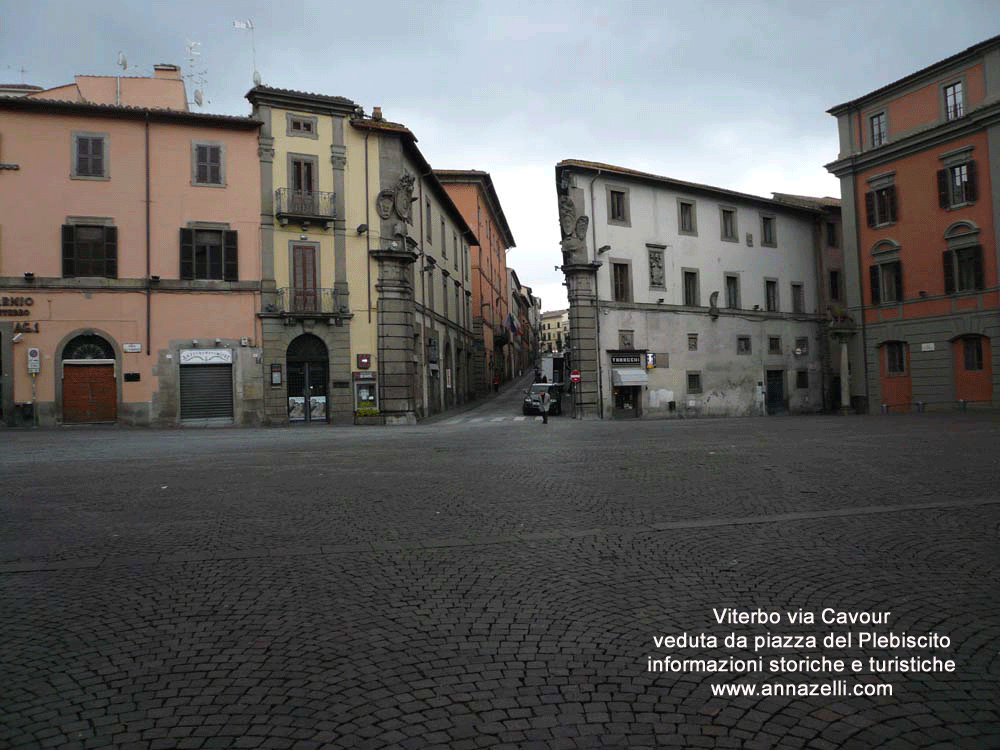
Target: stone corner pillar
x,y
581,283
395,322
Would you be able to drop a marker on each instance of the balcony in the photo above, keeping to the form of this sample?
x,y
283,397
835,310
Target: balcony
x,y
311,302
303,207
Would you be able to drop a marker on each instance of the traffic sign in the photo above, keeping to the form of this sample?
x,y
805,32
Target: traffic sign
x,y
575,376
34,360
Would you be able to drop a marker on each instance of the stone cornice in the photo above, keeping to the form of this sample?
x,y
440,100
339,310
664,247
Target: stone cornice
x,y
55,284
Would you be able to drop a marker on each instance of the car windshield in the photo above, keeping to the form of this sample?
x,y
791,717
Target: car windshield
x,y
538,388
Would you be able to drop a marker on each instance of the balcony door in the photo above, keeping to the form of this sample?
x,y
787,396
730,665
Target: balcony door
x,y
305,290
302,175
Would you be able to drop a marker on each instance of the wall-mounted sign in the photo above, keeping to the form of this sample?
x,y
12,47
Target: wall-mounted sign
x,y
132,348
34,360
927,347
15,307
275,373
26,327
131,377
650,360
364,375
629,359
364,361
447,378
206,356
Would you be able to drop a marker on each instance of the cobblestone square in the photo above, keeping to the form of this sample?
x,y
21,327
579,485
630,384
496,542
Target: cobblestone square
x,y
484,582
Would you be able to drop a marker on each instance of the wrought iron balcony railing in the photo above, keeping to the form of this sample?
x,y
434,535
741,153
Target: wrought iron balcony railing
x,y
301,205
310,301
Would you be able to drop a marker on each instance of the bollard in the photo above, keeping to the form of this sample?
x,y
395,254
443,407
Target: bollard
x,y
885,408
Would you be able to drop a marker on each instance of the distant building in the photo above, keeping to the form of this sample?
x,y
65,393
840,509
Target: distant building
x,y
554,331
919,170
131,257
688,299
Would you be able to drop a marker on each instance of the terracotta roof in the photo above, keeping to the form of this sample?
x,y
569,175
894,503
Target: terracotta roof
x,y
383,125
671,182
21,86
807,200
110,110
923,71
304,94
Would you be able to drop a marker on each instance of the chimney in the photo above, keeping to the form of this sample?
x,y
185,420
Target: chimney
x,y
167,71
377,113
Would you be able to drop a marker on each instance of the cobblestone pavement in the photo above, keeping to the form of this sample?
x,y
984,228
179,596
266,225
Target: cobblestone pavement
x,y
496,583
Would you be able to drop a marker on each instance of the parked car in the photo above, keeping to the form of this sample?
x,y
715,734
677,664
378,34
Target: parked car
x,y
533,398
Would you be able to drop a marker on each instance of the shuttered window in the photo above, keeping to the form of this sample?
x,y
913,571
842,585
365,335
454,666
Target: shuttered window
x,y
882,206
208,164
963,269
89,250
209,254
886,280
957,185
89,156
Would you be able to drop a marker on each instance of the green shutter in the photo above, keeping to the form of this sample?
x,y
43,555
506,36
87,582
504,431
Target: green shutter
x,y
111,252
230,254
870,208
972,187
873,277
978,267
187,253
949,272
942,186
68,250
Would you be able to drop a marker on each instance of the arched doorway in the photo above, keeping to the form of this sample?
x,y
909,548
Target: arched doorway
x,y
308,366
89,387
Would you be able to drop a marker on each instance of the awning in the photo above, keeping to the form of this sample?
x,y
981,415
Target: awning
x,y
631,376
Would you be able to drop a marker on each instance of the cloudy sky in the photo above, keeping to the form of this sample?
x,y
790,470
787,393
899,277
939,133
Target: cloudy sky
x,y
732,94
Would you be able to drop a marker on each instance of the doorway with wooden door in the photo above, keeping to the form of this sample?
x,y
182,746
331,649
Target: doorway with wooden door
x,y
89,381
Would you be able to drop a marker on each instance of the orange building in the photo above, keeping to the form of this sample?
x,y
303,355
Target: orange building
x,y
494,323
130,257
919,167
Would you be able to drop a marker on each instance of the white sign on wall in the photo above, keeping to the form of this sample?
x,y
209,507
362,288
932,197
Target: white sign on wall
x,y
206,356
132,348
927,347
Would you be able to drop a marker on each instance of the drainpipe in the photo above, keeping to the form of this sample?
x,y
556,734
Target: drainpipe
x,y
368,234
861,276
600,358
149,290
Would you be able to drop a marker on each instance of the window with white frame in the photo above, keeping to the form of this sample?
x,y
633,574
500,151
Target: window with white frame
x,y
879,129
954,105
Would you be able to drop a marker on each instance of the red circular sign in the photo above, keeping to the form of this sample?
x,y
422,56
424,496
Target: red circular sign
x,y
575,376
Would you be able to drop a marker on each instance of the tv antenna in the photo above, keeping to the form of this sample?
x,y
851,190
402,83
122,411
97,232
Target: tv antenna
x,y
247,25
196,75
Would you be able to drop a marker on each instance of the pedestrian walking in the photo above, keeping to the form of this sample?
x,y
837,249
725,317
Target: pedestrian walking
x,y
545,399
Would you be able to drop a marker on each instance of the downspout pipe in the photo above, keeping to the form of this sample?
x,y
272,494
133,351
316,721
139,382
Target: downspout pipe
x,y
149,289
861,276
597,299
368,234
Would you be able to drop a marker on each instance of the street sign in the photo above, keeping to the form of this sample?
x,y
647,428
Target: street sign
x,y
575,376
34,360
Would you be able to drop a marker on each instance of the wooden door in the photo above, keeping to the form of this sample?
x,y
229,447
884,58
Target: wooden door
x,y
90,394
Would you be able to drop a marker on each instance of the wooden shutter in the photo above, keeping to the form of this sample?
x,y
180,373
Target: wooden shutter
x,y
187,253
870,207
899,280
230,254
972,187
111,252
949,272
942,184
68,250
873,276
214,158
201,163
978,267
893,204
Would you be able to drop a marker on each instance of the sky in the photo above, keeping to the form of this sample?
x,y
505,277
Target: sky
x,y
732,94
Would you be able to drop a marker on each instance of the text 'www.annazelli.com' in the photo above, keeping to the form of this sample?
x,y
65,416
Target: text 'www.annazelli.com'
x,y
802,689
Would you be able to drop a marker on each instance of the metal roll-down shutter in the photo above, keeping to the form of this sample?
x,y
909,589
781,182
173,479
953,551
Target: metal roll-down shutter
x,y
207,392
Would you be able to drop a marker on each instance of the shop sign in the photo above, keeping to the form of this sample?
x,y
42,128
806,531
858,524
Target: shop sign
x,y
206,356
364,375
26,327
132,348
364,361
650,360
15,307
630,359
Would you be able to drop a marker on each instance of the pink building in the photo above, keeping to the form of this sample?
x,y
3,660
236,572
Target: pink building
x,y
129,257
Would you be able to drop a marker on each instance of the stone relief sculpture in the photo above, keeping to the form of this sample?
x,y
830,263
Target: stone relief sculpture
x,y
656,268
574,231
384,203
404,197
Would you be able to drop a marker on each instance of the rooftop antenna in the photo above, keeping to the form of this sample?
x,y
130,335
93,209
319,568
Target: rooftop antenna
x,y
195,75
247,25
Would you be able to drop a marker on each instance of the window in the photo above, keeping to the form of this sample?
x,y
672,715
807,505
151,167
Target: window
x,y
729,224
957,185
691,288
798,298
801,378
620,280
895,358
618,212
732,291
687,222
831,234
89,250
692,342
656,278
694,382
879,129
835,285
973,352
774,345
768,236
301,126
444,241
881,206
207,163
954,106
302,173
886,282
209,254
743,345
963,269
802,345
90,156
771,295
454,251
427,209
